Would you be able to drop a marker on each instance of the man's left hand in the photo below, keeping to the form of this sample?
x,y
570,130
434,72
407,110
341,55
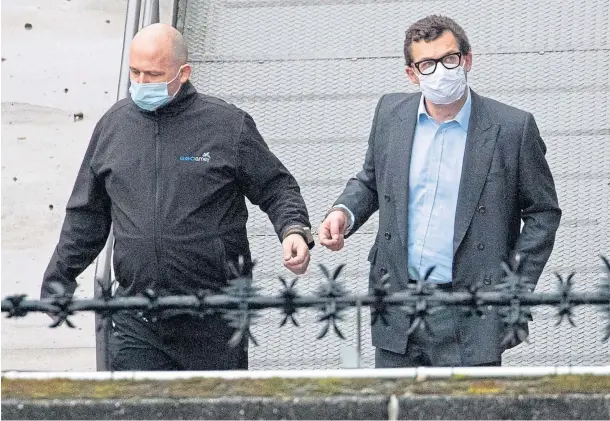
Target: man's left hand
x,y
296,254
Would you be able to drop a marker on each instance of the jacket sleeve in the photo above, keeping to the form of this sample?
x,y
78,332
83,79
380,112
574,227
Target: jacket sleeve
x,y
85,228
267,183
360,193
538,202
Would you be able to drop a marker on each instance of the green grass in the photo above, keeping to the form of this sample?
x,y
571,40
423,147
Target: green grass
x,y
277,387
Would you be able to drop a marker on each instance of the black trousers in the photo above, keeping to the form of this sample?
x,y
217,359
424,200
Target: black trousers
x,y
182,342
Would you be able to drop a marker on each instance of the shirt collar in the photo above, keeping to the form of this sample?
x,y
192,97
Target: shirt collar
x,y
462,117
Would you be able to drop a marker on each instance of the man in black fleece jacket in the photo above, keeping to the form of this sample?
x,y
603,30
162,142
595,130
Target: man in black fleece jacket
x,y
169,169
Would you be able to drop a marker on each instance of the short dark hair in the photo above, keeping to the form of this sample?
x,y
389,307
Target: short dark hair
x,y
430,28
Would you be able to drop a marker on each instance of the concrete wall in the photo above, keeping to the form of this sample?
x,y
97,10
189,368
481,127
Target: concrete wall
x,y
523,407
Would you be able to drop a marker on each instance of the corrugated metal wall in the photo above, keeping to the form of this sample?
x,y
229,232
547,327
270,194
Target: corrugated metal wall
x,y
311,72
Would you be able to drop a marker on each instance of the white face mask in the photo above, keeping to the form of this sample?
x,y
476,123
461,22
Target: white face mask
x,y
443,86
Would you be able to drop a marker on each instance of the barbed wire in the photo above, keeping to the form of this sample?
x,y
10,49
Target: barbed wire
x,y
240,302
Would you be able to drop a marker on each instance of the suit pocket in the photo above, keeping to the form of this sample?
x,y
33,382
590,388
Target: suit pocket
x,y
496,184
496,172
496,176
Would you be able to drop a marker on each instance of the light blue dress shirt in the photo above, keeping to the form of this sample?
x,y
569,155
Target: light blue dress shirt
x,y
434,182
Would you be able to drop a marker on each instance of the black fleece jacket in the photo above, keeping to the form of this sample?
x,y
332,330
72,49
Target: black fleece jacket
x,y
172,184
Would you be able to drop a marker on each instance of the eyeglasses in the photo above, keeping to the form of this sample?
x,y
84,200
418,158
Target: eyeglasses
x,y
449,61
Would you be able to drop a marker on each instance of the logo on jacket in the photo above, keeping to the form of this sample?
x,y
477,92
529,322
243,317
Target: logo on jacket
x,y
203,158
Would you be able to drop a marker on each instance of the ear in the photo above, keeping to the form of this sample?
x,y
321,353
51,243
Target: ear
x,y
468,61
186,73
411,75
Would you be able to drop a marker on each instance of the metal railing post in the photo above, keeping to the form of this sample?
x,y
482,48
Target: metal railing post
x,y
150,14
103,326
103,271
359,333
132,22
175,6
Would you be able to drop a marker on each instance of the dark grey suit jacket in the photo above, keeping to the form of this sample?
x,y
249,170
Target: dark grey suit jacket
x,y
505,178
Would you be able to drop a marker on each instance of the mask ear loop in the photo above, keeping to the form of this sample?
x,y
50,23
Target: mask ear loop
x,y
178,74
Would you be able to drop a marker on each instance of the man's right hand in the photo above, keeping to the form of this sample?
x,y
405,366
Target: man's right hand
x,y
332,230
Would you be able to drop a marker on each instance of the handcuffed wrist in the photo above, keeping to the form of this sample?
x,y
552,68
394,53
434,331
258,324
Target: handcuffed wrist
x,y
303,231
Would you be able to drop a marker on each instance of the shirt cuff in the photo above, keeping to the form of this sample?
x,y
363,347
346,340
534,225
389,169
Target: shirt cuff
x,y
351,218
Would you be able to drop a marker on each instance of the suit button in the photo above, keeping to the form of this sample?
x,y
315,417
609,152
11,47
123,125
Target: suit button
x,y
388,235
383,271
481,246
482,209
387,197
487,281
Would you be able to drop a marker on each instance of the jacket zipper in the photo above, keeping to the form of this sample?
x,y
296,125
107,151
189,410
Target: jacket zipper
x,y
156,233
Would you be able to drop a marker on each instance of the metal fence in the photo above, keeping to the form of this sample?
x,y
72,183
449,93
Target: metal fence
x,y
241,304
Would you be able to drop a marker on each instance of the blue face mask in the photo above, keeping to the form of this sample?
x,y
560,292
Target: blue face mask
x,y
150,96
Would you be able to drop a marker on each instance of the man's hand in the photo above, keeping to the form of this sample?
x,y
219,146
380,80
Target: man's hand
x,y
296,254
332,230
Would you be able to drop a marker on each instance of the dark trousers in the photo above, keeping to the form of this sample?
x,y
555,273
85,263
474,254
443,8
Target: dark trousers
x,y
411,358
181,342
437,347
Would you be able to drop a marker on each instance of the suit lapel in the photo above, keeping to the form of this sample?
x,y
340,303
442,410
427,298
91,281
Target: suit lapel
x,y
401,144
480,144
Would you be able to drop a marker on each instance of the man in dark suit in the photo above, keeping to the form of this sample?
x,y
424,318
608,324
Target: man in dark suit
x,y
452,174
